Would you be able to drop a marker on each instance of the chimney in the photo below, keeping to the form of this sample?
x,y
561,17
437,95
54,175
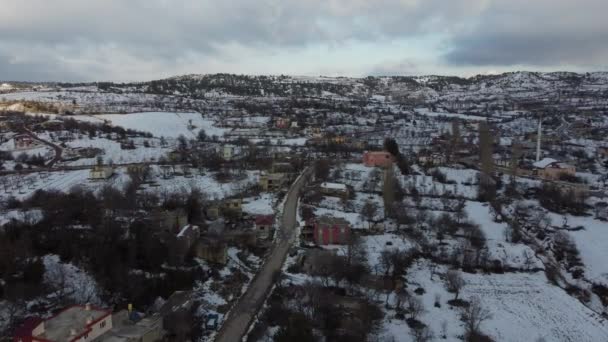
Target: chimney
x,y
539,137
89,320
87,306
72,332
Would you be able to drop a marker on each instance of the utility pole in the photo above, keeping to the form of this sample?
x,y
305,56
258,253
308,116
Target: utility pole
x,y
539,136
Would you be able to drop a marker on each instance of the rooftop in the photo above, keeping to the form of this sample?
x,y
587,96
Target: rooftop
x,y
330,220
543,163
333,186
74,318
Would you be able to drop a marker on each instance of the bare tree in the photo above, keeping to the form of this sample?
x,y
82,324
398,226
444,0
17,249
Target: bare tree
x,y
415,307
369,211
473,316
454,282
421,334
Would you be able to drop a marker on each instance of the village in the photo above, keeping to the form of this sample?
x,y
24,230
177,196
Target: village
x,y
424,211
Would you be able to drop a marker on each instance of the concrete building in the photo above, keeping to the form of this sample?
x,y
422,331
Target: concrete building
x,y
272,181
334,189
551,169
101,172
213,250
148,329
331,231
377,159
168,220
78,323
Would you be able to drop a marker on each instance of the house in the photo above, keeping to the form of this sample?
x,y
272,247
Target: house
x,y
182,244
213,212
213,250
431,159
282,123
217,226
551,169
125,329
377,159
264,225
228,152
602,151
334,189
272,181
331,231
233,206
101,172
24,142
78,323
168,220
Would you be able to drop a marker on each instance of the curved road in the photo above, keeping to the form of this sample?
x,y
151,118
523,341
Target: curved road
x,y
58,150
243,312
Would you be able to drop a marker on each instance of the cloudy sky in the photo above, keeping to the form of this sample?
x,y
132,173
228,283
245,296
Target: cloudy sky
x,y
129,40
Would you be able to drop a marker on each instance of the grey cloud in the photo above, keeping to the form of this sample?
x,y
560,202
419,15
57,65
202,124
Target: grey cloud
x,y
535,33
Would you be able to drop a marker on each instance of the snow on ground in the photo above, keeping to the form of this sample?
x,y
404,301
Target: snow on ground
x,y
261,205
527,307
288,141
428,112
74,282
24,186
592,242
480,213
524,307
426,185
112,151
375,244
206,183
165,124
30,216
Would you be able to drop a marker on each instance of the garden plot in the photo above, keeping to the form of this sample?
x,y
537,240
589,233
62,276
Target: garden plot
x,y
536,308
262,205
21,187
523,300
592,242
112,151
206,183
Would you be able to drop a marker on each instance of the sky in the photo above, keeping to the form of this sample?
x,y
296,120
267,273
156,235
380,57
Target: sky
x,y
137,40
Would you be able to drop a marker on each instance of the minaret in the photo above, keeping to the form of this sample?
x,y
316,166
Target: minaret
x,y
539,137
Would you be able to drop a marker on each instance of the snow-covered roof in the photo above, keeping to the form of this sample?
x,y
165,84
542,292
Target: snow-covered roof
x,y
543,163
333,186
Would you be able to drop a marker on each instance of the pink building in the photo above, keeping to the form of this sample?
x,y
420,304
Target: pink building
x,y
331,231
377,159
282,123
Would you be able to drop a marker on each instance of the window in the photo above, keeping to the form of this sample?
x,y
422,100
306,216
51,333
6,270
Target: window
x,y
102,324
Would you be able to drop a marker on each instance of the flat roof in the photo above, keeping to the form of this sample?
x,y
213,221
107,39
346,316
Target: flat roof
x,y
58,327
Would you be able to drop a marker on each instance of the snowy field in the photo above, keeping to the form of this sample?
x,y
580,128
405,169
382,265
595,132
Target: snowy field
x,y
25,186
113,151
592,242
524,307
160,124
261,205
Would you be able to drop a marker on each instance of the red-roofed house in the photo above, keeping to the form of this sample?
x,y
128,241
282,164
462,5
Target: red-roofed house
x,y
377,159
263,225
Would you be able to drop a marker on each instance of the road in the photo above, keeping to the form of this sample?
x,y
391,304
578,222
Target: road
x,y
58,150
243,312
